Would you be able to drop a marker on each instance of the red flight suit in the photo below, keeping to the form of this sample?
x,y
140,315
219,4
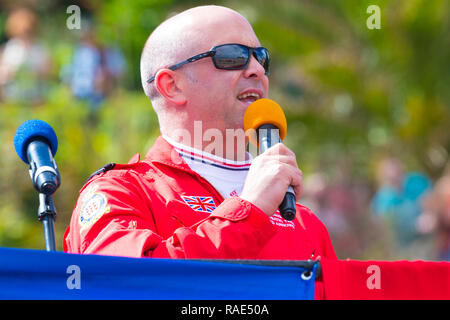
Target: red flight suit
x,y
141,210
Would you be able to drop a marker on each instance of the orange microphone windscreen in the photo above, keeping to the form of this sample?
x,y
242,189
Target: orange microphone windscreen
x,y
264,111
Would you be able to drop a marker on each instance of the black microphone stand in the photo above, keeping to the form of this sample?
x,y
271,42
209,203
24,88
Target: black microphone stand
x,y
47,215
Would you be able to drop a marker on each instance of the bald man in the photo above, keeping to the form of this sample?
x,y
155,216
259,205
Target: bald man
x,y
186,199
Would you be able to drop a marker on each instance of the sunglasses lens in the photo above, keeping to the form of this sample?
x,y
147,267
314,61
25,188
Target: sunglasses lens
x,y
231,57
262,55
236,57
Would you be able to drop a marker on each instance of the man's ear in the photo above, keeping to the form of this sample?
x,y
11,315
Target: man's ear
x,y
167,83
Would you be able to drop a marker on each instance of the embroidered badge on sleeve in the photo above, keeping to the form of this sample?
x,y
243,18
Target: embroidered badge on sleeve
x,y
93,207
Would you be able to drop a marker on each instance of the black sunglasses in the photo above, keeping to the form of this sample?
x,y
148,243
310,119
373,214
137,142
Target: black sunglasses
x,y
231,56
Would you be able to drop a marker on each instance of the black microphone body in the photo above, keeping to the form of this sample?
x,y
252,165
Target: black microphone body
x,y
268,135
43,170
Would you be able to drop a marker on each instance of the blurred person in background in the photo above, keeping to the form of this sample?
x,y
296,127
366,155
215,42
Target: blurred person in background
x,y
435,217
398,200
340,203
389,178
94,69
24,62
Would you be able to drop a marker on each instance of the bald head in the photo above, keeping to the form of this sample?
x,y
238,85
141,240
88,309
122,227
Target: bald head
x,y
186,34
199,91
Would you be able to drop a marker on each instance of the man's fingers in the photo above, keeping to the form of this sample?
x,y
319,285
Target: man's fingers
x,y
283,159
284,164
279,149
292,174
297,182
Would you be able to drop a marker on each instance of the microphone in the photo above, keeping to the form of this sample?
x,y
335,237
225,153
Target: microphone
x,y
36,144
267,118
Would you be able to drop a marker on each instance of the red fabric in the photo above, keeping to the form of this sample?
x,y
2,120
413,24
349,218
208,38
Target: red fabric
x,y
136,210
397,280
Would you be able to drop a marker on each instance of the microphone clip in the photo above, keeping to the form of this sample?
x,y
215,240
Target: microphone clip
x,y
47,215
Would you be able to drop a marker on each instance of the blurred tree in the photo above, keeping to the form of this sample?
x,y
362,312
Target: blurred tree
x,y
135,20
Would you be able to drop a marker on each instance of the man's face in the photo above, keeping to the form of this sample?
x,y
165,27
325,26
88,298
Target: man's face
x,y
219,98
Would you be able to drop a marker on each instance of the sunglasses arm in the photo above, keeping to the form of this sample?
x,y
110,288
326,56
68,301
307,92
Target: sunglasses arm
x,y
191,59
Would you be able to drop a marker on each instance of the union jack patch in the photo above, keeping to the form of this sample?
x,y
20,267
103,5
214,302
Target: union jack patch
x,y
201,204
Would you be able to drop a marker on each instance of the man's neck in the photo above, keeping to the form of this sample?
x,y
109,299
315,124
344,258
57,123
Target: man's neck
x,y
233,150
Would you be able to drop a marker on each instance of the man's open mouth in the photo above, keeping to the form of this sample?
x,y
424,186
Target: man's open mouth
x,y
248,97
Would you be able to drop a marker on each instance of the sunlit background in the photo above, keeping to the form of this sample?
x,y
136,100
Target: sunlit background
x,y
368,109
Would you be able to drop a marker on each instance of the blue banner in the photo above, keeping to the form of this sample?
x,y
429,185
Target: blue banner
x,y
35,274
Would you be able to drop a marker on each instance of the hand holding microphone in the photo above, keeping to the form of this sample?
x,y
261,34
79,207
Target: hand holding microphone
x,y
274,179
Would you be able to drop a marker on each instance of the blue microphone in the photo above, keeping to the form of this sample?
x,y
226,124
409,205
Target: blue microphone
x,y
36,144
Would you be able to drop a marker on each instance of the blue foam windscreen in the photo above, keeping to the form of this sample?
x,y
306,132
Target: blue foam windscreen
x,y
31,130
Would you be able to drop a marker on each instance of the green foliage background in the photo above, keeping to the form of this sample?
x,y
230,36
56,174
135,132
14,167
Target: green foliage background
x,y
350,94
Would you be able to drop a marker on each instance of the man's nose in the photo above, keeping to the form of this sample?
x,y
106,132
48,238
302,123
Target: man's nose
x,y
254,69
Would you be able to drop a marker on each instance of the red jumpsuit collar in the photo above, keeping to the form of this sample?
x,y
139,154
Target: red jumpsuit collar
x,y
164,152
